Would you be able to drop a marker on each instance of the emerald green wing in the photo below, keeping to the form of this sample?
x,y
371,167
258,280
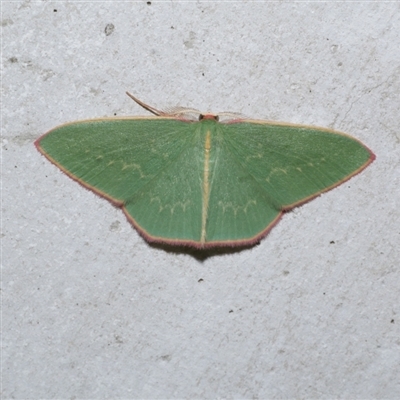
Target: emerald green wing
x,y
293,163
263,169
150,167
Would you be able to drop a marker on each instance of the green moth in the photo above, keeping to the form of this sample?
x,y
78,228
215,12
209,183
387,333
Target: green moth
x,y
185,178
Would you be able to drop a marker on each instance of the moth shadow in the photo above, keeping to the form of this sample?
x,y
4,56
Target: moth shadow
x,y
201,254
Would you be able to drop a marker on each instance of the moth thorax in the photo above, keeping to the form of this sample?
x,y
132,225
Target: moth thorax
x,y
208,116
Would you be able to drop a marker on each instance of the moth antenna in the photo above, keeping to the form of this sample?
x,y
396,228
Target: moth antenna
x,y
145,106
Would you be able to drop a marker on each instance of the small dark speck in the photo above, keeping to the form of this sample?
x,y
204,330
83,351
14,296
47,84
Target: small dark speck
x,y
13,60
332,242
149,3
392,321
118,339
114,227
200,280
15,166
167,357
55,10
230,311
286,272
202,73
323,293
172,27
6,22
109,29
115,113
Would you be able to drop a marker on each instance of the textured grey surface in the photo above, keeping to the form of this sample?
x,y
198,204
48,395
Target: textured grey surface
x,y
90,310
